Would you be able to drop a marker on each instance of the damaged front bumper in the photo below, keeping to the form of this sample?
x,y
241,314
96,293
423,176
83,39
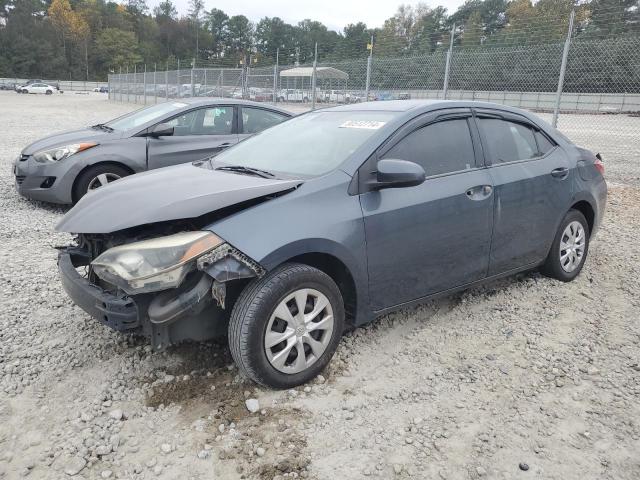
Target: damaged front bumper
x,y
193,311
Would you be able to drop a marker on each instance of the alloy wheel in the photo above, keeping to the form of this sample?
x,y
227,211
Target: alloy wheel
x,y
102,180
572,246
299,331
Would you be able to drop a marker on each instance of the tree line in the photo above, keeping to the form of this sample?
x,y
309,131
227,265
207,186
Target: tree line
x,y
80,39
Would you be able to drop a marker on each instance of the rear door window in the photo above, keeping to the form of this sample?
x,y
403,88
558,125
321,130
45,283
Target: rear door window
x,y
255,120
441,147
508,141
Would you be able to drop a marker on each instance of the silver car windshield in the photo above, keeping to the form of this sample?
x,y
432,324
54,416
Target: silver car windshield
x,y
144,115
309,145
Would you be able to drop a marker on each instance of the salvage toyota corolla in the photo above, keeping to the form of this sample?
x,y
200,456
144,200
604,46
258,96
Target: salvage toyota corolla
x,y
327,221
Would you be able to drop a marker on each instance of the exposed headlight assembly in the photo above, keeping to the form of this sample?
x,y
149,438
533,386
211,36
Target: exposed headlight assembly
x,y
156,264
60,153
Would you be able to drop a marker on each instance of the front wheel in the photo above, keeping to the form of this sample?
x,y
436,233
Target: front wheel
x,y
286,326
49,92
96,177
569,249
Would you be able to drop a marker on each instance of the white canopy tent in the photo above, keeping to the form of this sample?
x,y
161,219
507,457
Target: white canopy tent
x,y
296,83
322,73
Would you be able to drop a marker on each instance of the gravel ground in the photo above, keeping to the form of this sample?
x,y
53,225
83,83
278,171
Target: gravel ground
x,y
523,378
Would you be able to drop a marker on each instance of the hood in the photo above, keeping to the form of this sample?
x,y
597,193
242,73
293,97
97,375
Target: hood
x,y
66,138
172,193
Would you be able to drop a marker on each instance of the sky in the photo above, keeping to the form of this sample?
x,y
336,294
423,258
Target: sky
x,y
335,14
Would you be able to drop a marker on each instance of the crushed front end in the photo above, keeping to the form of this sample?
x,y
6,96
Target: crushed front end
x,y
169,288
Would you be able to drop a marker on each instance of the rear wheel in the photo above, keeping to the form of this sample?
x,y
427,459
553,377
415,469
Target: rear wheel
x,y
569,249
286,326
96,177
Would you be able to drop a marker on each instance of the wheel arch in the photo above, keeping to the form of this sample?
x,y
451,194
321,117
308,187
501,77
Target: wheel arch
x,y
97,164
334,260
584,207
339,273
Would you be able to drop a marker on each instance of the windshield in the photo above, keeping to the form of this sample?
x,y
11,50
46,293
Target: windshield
x,y
144,115
309,145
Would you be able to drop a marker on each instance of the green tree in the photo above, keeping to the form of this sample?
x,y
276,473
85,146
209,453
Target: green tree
x,y
240,37
217,22
117,48
473,33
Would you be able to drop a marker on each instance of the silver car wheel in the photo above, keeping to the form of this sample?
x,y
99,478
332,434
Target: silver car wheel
x,y
572,245
102,180
299,331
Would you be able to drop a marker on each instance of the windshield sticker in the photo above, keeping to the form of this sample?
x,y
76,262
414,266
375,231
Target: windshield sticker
x,y
366,124
179,105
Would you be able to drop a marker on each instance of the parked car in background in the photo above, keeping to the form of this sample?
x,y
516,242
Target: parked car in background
x,y
294,95
64,167
331,219
102,89
8,86
44,88
18,86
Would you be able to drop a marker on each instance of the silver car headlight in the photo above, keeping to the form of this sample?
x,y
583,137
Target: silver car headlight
x,y
156,264
60,153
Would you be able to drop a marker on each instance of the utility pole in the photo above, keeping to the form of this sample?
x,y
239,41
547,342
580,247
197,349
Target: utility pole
x,y
447,67
563,69
313,78
369,61
275,77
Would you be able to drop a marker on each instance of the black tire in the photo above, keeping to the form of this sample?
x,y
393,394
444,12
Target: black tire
x,y
250,317
48,92
81,184
552,266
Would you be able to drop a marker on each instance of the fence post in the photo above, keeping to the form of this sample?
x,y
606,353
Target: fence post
x,y
193,87
155,83
144,84
135,82
563,69
178,84
120,83
447,66
204,73
128,100
166,82
275,76
109,86
369,61
313,78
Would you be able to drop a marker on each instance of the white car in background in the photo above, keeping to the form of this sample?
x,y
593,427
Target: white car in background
x,y
37,88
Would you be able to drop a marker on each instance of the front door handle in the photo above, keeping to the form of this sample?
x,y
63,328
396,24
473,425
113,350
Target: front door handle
x,y
225,145
479,192
560,172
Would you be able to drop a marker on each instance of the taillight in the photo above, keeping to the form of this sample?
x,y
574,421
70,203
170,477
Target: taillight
x,y
599,164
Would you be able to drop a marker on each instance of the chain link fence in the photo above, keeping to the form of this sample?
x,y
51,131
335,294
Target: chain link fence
x,y
586,84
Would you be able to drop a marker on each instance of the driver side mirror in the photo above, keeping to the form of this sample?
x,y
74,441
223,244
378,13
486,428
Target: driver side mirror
x,y
398,173
161,130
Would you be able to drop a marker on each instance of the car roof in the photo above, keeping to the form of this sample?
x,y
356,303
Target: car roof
x,y
411,108
203,101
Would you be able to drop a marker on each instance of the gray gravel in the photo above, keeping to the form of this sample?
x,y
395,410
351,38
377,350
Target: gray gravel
x,y
525,371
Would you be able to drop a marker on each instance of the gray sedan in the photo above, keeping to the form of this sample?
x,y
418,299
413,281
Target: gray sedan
x,y
64,167
328,221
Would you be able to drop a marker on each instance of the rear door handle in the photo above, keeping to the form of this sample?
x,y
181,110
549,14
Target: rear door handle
x,y
479,192
560,172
